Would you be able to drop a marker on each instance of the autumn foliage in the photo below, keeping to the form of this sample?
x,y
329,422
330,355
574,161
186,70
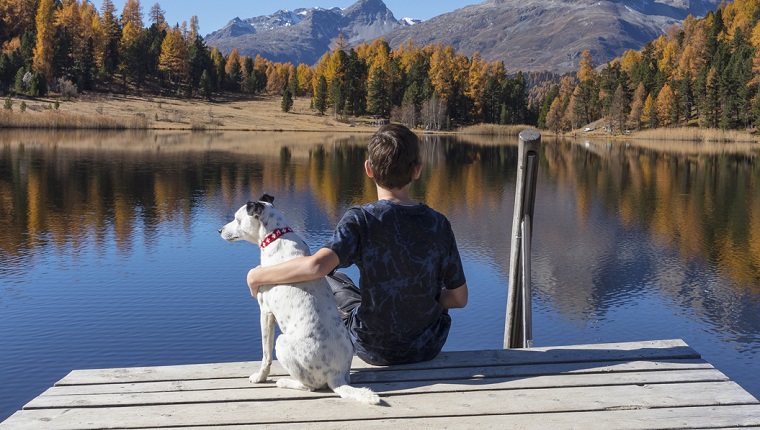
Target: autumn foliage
x,y
704,73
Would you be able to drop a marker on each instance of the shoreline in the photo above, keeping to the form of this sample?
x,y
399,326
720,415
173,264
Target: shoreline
x,y
263,114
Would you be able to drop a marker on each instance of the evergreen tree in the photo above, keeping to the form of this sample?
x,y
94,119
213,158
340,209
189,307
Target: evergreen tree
x,y
199,59
112,36
618,110
287,99
378,102
62,64
206,85
38,85
320,95
355,83
546,105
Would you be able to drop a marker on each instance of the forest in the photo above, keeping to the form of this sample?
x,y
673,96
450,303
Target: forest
x,y
68,47
703,73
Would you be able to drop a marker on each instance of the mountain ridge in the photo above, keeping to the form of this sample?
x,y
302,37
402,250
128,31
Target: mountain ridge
x,y
527,35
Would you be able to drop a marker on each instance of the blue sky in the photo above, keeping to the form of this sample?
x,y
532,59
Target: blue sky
x,y
214,14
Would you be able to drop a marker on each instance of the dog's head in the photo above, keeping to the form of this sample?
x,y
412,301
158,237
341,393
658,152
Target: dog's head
x,y
251,221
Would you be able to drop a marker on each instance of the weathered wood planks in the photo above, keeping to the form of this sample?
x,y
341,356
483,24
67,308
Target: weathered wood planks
x,y
654,384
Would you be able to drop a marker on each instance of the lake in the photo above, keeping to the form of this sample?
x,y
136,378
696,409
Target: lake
x,y
110,256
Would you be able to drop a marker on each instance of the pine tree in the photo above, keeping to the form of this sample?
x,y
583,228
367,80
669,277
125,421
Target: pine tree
x,y
206,85
320,95
378,102
287,100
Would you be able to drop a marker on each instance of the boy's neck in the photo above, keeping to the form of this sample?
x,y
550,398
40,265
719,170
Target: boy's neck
x,y
400,196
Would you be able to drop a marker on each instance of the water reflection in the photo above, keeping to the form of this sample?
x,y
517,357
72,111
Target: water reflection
x,y
630,243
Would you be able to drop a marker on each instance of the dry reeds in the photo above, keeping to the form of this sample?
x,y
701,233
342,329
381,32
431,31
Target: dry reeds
x,y
58,120
494,130
694,134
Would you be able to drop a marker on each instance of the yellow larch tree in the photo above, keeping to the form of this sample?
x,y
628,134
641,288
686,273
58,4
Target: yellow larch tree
x,y
665,102
442,73
667,62
232,59
16,16
477,76
755,40
586,67
649,112
304,75
45,48
629,60
131,23
174,55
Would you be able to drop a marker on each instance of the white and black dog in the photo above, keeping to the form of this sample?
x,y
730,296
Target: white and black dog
x,y
314,346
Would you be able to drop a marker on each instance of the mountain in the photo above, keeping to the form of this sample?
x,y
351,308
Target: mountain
x,y
552,34
524,34
304,35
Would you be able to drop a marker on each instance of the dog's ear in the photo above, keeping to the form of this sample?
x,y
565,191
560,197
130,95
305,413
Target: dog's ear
x,y
267,198
254,209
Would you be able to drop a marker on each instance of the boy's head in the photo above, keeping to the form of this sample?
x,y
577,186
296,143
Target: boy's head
x,y
394,156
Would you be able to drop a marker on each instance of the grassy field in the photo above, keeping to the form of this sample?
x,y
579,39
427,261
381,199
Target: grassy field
x,y
105,111
159,113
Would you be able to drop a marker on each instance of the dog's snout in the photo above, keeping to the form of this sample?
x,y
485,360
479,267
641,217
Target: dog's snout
x,y
220,230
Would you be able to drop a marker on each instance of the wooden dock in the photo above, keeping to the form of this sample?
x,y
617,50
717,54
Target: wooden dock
x,y
639,385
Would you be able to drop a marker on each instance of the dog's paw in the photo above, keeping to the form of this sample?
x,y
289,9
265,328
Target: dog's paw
x,y
258,378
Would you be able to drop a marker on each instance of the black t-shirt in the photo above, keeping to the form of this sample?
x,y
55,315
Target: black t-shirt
x,y
405,256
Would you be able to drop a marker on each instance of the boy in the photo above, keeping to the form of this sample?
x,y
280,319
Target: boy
x,y
409,265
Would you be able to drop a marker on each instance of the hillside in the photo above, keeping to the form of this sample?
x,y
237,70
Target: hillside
x,y
524,34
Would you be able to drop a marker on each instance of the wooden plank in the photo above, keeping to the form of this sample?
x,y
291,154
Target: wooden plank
x,y
649,350
384,389
639,419
471,403
522,370
389,376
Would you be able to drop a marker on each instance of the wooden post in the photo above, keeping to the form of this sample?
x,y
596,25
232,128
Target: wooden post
x,y
518,331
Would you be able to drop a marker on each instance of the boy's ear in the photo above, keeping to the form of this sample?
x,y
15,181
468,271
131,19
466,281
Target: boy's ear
x,y
254,209
417,171
368,169
267,198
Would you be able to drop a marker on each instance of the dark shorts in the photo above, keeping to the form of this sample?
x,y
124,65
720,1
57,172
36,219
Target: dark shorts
x,y
347,295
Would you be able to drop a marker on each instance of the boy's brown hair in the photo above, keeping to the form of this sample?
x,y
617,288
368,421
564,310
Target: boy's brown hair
x,y
394,154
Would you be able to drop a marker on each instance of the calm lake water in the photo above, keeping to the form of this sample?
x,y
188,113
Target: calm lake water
x,y
110,256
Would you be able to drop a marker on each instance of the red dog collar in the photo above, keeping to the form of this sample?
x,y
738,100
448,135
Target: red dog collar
x,y
274,236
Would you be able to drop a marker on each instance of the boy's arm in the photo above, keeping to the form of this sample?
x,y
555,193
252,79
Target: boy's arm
x,y
293,271
456,298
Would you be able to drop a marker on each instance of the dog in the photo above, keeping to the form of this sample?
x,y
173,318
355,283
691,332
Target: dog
x,y
314,346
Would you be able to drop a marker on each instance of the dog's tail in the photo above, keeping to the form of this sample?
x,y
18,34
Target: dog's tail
x,y
363,395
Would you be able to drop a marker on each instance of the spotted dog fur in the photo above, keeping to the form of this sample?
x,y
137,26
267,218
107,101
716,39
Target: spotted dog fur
x,y
314,346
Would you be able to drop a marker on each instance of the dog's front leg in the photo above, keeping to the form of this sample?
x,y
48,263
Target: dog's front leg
x,y
267,346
